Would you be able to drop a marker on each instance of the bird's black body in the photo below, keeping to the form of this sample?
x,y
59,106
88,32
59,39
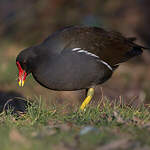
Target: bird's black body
x,y
77,57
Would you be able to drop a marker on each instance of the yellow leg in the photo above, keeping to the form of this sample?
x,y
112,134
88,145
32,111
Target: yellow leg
x,y
88,98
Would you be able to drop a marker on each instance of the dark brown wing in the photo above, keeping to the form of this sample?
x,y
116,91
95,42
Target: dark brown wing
x,y
110,46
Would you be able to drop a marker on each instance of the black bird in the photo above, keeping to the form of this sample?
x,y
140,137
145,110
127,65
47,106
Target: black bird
x,y
76,57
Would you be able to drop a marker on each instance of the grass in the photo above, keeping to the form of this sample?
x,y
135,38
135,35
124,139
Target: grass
x,y
109,125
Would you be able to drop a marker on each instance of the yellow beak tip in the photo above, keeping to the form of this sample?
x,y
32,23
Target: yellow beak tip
x,y
21,83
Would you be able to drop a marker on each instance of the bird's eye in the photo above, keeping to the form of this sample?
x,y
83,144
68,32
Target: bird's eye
x,y
23,64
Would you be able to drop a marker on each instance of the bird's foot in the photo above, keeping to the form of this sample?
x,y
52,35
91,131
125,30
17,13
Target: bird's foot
x,y
88,99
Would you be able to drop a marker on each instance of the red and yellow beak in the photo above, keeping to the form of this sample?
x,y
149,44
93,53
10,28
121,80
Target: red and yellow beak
x,y
22,75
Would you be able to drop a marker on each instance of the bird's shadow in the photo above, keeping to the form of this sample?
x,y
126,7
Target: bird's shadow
x,y
14,101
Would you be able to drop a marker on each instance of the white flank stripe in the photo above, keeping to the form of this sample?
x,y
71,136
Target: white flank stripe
x,y
76,49
93,55
83,51
79,50
106,64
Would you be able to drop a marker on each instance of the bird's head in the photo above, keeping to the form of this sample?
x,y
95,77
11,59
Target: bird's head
x,y
24,63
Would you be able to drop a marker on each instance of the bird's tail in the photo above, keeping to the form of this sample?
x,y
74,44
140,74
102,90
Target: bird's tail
x,y
136,51
133,39
145,48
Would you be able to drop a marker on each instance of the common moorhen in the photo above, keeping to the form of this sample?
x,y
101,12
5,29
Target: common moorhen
x,y
76,57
